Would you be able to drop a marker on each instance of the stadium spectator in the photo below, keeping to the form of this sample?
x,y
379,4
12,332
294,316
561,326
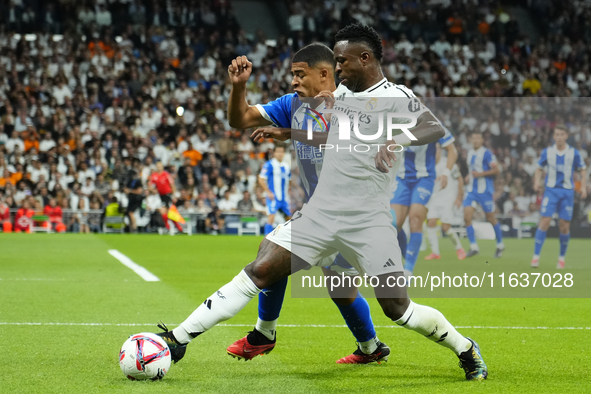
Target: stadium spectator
x,y
82,217
245,204
22,219
55,214
5,216
214,223
226,203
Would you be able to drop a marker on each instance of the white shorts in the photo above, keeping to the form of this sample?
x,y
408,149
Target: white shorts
x,y
368,243
442,208
281,236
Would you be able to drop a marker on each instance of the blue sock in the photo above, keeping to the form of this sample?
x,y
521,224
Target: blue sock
x,y
498,233
414,246
540,238
358,319
402,241
268,228
271,300
471,235
564,238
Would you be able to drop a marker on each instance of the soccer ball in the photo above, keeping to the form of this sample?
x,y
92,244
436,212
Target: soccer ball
x,y
144,356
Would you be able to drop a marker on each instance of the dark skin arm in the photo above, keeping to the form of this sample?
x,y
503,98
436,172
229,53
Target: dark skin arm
x,y
427,130
283,134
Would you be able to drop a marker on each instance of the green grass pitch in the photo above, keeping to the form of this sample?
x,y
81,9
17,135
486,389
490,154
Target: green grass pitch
x,y
72,280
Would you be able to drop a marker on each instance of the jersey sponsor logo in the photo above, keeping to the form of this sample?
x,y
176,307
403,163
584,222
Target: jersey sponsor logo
x,y
307,152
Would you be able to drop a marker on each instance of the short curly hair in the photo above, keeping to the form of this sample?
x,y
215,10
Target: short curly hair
x,y
356,32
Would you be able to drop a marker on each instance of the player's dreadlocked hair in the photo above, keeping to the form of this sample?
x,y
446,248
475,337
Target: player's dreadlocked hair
x,y
314,54
356,32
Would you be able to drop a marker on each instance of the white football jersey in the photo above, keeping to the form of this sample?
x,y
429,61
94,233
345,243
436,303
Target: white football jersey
x,y
350,181
450,193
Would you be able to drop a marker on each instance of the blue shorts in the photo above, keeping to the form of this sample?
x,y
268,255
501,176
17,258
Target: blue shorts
x,y
273,206
558,200
413,191
484,199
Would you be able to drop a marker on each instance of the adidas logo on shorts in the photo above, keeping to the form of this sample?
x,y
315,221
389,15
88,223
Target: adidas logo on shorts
x,y
389,263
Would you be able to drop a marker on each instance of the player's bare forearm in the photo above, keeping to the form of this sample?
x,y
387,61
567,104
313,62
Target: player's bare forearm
x,y
427,130
284,134
263,184
237,105
584,183
241,115
537,178
452,155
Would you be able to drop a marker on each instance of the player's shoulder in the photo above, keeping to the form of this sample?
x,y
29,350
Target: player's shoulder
x,y
390,89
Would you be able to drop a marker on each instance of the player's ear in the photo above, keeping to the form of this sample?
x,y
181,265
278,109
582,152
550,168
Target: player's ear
x,y
365,56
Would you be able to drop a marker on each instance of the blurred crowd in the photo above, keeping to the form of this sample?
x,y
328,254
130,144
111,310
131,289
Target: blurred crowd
x,y
93,94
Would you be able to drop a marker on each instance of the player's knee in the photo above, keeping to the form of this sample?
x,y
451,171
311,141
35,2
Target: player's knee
x,y
343,295
342,301
259,273
395,308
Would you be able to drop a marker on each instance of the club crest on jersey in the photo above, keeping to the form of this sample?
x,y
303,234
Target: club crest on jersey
x,y
371,104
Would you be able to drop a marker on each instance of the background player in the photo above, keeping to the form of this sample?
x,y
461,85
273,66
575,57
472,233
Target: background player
x,y
443,203
275,178
414,186
482,164
313,72
560,161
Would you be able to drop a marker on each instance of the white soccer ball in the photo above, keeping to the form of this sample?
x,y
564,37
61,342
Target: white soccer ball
x,y
144,356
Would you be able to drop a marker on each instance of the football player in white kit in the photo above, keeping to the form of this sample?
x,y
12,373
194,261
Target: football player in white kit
x,y
348,213
443,205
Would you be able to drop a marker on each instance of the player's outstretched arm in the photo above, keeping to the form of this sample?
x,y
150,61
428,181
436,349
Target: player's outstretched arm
x,y
537,176
241,115
427,130
284,134
452,157
583,183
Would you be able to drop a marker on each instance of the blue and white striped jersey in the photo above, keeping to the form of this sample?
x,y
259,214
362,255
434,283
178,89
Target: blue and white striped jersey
x,y
560,166
277,173
481,160
419,161
289,112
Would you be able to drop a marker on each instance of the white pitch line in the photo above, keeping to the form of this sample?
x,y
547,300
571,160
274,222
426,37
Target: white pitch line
x,y
138,269
280,325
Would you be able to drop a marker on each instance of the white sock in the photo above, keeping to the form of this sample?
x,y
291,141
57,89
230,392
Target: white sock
x,y
267,328
474,247
368,347
500,245
536,257
433,325
220,306
433,240
455,240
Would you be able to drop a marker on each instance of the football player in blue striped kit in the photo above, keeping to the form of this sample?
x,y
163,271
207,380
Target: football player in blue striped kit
x,y
483,167
275,178
560,162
